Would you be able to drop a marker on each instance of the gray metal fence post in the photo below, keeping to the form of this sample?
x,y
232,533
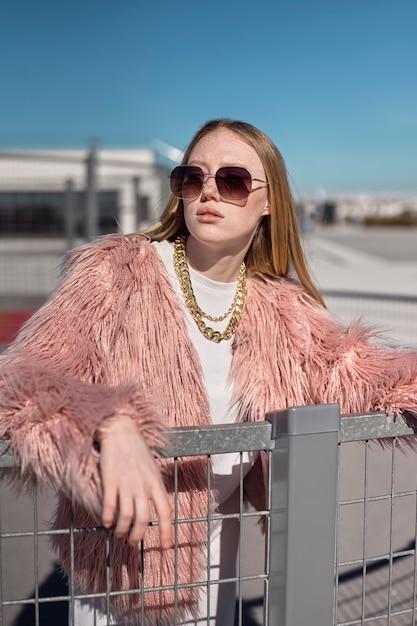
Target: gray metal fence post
x,y
303,501
92,217
69,216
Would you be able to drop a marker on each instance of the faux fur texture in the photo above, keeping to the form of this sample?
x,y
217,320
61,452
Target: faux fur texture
x,y
112,338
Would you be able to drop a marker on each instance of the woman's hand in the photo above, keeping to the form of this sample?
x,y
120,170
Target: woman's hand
x,y
131,477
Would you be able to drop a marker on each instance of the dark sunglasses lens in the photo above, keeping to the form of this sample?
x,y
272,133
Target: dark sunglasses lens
x,y
186,181
233,183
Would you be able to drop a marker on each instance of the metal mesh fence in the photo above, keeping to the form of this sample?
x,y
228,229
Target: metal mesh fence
x,y
27,597
376,555
375,565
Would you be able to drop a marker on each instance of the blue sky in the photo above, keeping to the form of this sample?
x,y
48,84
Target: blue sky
x,y
332,82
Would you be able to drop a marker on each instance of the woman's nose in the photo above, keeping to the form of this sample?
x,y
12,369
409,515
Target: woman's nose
x,y
210,189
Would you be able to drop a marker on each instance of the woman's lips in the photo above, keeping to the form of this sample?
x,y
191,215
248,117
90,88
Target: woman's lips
x,y
209,215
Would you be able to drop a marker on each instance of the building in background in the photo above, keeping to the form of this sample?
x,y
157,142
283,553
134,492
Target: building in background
x,y
367,208
79,193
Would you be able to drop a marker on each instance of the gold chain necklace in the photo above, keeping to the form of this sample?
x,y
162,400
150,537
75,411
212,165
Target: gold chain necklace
x,y
235,309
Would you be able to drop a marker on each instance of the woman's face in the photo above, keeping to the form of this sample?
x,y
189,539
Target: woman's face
x,y
209,218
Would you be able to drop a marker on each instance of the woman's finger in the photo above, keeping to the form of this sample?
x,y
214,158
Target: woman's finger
x,y
110,499
164,513
141,521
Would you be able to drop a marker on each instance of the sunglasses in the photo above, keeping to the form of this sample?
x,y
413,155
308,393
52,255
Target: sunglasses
x,y
233,183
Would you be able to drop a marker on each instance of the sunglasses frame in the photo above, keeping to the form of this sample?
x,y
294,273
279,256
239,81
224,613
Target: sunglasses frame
x,y
205,177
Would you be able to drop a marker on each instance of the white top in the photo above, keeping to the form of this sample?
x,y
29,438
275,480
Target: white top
x,y
216,358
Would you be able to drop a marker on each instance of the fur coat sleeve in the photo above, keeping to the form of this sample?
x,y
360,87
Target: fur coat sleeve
x,y
55,389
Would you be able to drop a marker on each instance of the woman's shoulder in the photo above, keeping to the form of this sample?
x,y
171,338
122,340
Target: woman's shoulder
x,y
279,289
286,299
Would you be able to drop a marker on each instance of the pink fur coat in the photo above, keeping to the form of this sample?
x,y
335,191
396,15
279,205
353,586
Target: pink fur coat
x,y
111,339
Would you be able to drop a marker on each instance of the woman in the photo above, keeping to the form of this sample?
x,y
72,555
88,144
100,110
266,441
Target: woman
x,y
198,321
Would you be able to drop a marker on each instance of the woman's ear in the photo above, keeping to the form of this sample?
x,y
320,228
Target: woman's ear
x,y
266,210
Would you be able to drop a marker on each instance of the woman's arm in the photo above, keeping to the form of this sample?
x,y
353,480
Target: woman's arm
x,y
54,389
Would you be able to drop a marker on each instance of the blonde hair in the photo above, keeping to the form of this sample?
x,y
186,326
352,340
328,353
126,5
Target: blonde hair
x,y
276,245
